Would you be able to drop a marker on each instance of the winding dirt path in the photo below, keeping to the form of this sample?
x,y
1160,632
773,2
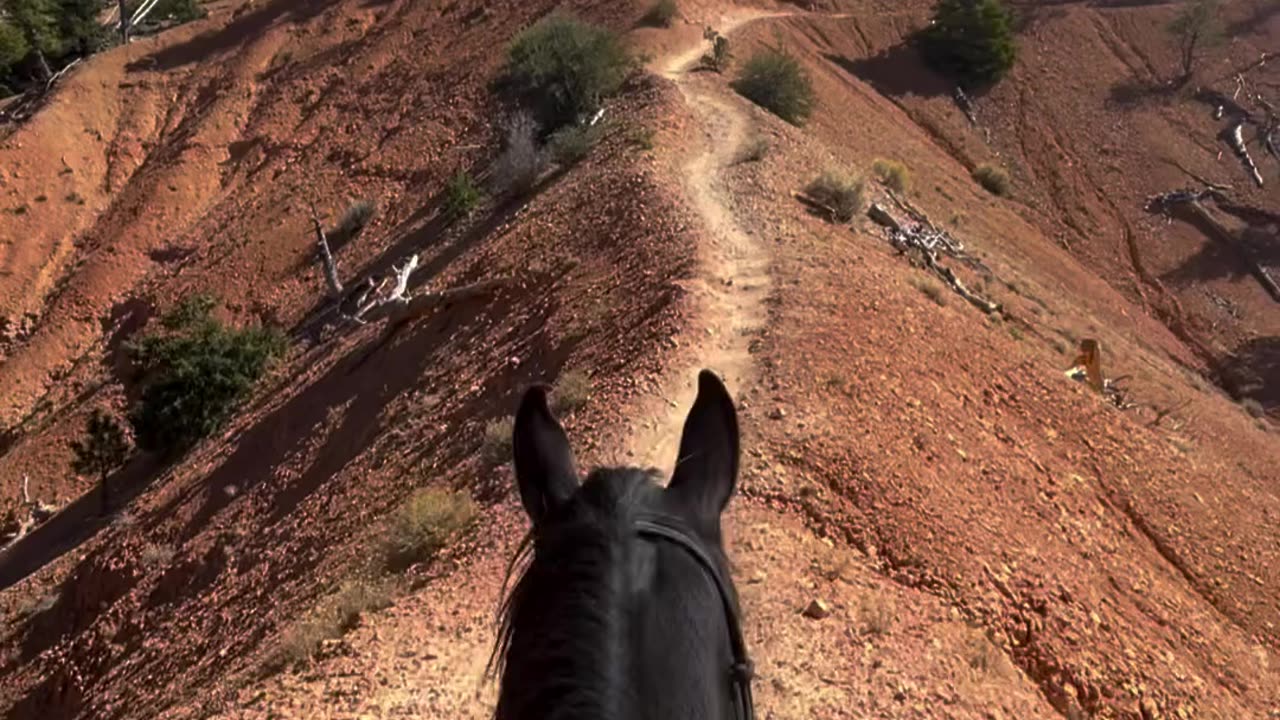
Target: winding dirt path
x,y
734,281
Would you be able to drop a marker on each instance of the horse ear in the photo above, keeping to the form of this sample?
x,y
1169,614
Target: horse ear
x,y
707,467
545,470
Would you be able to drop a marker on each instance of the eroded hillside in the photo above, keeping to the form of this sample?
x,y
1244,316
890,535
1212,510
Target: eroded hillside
x,y
992,538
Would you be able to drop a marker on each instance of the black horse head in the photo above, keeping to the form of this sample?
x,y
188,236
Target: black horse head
x,y
625,610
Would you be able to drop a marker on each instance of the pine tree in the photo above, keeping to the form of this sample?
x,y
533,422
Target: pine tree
x,y
104,449
971,40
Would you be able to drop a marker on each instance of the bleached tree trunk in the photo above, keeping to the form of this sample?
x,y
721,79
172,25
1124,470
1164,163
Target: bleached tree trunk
x,y
124,23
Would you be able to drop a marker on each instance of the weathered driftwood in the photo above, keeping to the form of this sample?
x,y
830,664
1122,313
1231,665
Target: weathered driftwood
x,y
928,241
1235,138
367,302
816,205
33,513
329,267
880,216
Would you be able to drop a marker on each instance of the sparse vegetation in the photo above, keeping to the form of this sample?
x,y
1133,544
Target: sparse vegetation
x,y
338,615
971,41
1253,407
662,14
754,150
461,196
931,290
521,162
993,179
984,656
353,222
422,526
156,556
572,391
843,193
571,144
893,174
356,598
1015,332
193,374
642,137
497,440
302,640
562,69
36,604
104,448
75,197
875,613
776,81
719,58
1197,26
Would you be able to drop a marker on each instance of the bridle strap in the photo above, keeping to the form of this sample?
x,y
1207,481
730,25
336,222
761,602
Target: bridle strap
x,y
741,671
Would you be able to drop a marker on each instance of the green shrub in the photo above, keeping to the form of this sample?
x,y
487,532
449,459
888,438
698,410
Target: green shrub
x,y
571,144
970,40
194,373
104,448
893,174
562,69
775,80
353,222
572,391
422,526
461,196
841,192
995,180
13,46
662,14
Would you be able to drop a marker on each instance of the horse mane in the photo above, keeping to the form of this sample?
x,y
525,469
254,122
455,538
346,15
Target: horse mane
x,y
564,613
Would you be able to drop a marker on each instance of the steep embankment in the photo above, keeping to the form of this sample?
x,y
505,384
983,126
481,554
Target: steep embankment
x,y
269,108
990,538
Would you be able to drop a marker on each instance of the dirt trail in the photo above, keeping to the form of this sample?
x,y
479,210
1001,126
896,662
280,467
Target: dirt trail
x,y
735,268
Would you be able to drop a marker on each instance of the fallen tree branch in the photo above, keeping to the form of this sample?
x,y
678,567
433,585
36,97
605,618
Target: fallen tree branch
x,y
387,296
419,305
1167,203
816,205
1235,137
928,242
329,267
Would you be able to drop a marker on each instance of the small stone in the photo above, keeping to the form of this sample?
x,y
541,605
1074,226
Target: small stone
x,y
777,413
817,609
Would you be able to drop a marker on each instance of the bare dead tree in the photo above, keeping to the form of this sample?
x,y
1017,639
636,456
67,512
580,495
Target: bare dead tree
x,y
387,297
1235,138
1198,26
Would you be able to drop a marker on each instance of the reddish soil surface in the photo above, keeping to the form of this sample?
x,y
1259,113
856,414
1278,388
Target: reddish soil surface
x,y
993,540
